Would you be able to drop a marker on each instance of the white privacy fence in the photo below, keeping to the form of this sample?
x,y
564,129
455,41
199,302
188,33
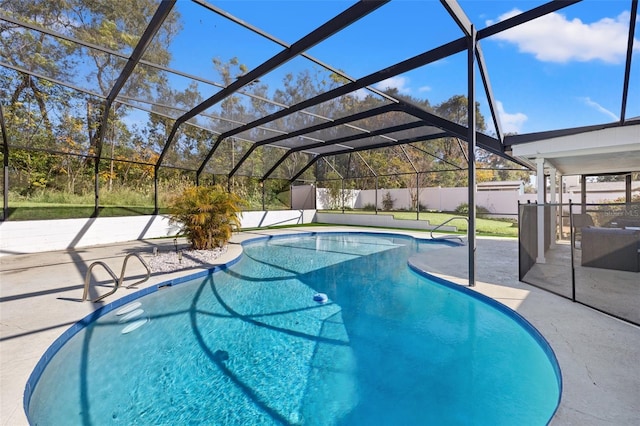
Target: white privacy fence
x,y
438,199
498,202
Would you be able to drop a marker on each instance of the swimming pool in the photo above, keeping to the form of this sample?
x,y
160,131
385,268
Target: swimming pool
x,y
248,344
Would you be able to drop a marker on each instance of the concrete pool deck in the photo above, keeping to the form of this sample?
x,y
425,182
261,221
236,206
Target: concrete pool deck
x,y
598,355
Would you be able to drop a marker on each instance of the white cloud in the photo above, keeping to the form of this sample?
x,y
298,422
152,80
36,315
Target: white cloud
x,y
511,123
399,83
554,38
424,89
600,108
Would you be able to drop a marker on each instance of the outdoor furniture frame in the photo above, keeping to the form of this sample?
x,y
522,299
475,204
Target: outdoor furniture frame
x,y
611,248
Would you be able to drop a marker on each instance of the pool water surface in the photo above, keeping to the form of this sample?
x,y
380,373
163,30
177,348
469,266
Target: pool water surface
x,y
249,345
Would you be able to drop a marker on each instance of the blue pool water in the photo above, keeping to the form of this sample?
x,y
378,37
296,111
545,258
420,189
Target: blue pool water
x,y
248,345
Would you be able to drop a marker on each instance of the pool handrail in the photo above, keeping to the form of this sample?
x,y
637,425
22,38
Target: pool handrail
x,y
117,281
448,237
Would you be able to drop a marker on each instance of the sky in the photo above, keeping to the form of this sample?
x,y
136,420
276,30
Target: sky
x,y
563,70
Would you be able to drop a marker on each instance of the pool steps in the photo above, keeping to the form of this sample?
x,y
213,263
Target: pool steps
x,y
130,314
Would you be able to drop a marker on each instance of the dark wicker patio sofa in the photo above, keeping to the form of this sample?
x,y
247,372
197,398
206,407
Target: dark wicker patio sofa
x,y
611,248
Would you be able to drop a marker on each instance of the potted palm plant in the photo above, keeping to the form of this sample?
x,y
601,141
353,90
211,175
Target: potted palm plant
x,y
206,215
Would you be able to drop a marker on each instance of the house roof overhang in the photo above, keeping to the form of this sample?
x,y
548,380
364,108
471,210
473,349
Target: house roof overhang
x,y
592,150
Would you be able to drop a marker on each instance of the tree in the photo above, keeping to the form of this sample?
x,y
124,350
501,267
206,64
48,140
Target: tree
x,y
387,202
618,177
34,51
45,115
118,26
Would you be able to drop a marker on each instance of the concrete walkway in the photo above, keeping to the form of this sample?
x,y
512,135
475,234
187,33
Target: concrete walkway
x,y
598,355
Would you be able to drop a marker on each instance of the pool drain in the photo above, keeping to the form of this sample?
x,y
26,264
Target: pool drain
x,y
320,298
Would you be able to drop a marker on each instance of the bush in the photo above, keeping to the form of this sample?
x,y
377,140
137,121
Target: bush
x,y
463,209
387,202
207,215
369,207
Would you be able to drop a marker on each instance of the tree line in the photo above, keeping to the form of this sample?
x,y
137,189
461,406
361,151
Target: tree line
x,y
53,95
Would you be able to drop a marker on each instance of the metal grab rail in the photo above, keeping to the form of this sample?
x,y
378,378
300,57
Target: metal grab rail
x,y
124,266
448,237
117,281
87,278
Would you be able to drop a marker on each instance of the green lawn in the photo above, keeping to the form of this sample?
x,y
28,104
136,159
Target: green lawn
x,y
48,211
495,227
